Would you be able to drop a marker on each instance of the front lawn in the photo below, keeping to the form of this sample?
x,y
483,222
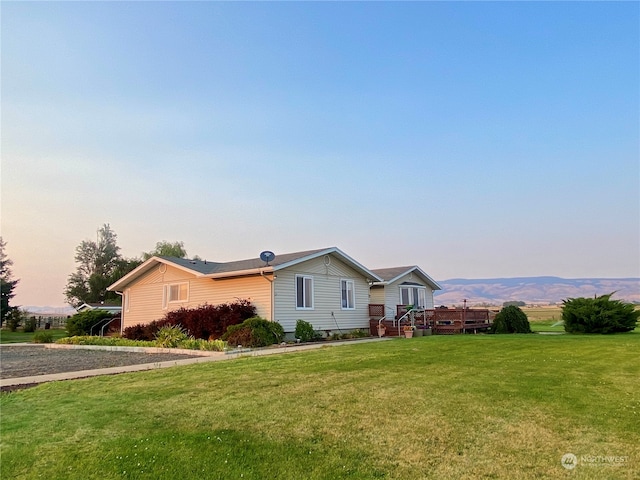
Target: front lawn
x,y
555,326
441,407
7,336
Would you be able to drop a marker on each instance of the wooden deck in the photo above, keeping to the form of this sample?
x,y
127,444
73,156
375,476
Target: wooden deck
x,y
441,321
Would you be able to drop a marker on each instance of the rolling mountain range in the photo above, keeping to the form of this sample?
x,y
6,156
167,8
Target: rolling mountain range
x,y
533,290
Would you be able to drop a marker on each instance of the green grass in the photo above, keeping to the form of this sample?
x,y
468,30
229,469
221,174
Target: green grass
x,y
7,336
441,407
547,326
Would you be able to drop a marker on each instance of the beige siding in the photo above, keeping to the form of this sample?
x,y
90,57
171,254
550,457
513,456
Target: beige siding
x,y
326,296
392,292
146,294
377,295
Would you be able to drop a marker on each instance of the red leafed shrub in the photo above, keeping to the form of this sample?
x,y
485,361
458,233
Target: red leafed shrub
x,y
144,332
206,321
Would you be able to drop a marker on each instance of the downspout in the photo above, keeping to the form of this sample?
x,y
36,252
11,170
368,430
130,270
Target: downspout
x,y
272,306
121,312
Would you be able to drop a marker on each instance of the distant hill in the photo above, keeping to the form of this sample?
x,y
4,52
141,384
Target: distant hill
x,y
533,290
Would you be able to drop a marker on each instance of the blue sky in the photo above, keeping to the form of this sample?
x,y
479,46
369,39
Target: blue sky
x,y
476,140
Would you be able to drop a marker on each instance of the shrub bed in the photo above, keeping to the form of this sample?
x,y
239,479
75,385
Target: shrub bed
x,y
207,322
146,332
359,333
105,341
186,343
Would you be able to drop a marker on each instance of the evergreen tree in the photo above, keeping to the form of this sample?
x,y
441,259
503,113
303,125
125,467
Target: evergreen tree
x,y
511,319
599,315
7,283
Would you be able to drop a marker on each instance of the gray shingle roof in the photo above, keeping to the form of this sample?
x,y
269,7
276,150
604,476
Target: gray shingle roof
x,y
250,266
208,268
390,273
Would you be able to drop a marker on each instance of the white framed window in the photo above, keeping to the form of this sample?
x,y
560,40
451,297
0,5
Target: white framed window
x,y
413,295
304,292
175,293
347,289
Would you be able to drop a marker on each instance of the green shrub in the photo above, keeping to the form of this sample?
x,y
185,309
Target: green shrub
x,y
360,333
187,343
254,332
29,325
84,322
598,315
201,344
105,341
43,336
146,332
15,318
511,319
170,336
305,332
237,335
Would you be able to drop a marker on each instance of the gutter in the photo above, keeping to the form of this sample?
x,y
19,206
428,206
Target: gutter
x,y
238,273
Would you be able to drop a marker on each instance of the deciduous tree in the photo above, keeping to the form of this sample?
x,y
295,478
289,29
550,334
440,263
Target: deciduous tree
x,y
99,265
166,249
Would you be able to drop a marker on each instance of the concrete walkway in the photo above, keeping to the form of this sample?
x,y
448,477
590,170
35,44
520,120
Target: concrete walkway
x,y
203,356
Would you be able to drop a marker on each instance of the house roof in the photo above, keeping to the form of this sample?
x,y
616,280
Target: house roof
x,y
99,306
252,266
390,275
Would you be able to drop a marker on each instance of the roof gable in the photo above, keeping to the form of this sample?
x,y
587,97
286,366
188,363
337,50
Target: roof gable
x,y
393,274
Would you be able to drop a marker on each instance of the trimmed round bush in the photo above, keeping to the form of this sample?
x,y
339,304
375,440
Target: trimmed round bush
x,y
254,332
511,319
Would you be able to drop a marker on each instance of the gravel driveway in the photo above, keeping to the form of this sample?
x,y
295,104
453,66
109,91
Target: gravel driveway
x,y
24,361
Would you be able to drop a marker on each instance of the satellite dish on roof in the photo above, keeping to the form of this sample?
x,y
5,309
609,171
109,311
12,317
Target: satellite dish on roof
x,y
267,256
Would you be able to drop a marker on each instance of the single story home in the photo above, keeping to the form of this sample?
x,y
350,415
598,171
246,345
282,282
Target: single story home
x,y
325,287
